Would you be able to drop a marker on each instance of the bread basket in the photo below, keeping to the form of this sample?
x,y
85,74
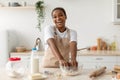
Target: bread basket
x,y
20,49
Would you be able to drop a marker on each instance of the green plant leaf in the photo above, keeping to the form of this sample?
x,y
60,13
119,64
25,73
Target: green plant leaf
x,y
40,10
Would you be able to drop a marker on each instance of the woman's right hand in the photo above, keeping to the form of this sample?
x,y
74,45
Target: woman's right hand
x,y
64,63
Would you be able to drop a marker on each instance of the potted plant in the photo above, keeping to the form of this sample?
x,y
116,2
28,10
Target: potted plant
x,y
40,9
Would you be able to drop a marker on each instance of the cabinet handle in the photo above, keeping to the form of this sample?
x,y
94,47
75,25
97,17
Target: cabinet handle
x,y
99,58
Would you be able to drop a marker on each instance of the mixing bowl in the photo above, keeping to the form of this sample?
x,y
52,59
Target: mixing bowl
x,y
71,71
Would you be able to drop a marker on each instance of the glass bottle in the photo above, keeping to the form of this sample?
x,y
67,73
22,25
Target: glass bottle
x,y
34,61
114,44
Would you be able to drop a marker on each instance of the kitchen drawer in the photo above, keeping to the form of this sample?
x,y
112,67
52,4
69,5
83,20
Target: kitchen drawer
x,y
89,65
118,60
97,59
108,65
27,57
97,65
23,57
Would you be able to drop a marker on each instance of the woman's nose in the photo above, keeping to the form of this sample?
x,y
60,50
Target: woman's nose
x,y
58,18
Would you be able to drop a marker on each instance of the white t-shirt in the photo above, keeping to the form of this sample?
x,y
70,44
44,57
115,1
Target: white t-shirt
x,y
49,33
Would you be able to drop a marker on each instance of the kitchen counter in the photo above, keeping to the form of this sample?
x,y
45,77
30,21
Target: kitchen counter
x,y
99,53
83,76
79,53
90,59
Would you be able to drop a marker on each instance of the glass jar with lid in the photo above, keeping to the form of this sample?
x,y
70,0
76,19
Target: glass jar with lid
x,y
15,67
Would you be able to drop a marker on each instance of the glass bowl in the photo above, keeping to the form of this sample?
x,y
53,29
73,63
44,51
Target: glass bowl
x,y
71,71
16,68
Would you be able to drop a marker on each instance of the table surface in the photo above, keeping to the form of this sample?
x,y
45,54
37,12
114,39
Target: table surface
x,y
84,75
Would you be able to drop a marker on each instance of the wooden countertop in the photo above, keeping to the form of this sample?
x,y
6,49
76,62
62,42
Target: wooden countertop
x,y
79,53
84,75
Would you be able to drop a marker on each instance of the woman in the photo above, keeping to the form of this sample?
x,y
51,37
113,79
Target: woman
x,y
60,42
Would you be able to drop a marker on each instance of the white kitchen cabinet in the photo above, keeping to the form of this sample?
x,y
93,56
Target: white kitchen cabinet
x,y
97,61
116,5
26,55
118,60
88,59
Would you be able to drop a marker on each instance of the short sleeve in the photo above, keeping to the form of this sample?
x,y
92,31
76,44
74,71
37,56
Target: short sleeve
x,y
48,33
73,35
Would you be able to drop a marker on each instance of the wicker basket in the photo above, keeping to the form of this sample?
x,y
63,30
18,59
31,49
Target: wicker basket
x,y
20,49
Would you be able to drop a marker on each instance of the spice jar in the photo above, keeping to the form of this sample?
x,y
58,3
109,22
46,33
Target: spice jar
x,y
15,67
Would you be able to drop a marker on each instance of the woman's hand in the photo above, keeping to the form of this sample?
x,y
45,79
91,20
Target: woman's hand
x,y
74,64
64,63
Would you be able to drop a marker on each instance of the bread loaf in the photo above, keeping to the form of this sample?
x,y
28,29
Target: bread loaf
x,y
97,72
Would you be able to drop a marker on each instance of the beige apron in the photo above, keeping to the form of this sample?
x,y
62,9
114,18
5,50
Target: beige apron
x,y
49,60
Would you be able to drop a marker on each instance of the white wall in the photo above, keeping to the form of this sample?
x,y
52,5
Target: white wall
x,y
90,18
3,47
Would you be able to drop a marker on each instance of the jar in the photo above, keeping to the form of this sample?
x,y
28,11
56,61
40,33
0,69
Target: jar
x,y
15,67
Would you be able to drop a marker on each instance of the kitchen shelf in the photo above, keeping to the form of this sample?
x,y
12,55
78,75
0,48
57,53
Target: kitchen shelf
x,y
19,7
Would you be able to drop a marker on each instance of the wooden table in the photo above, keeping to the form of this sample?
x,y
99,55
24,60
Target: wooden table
x,y
83,76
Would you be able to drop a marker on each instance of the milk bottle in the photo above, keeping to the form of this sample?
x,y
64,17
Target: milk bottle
x,y
34,61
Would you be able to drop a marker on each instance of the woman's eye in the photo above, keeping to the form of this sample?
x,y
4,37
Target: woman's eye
x,y
54,16
61,15
58,16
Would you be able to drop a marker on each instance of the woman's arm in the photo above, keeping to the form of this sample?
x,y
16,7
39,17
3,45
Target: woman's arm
x,y
56,52
73,51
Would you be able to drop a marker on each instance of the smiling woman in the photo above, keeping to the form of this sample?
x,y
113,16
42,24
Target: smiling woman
x,y
60,42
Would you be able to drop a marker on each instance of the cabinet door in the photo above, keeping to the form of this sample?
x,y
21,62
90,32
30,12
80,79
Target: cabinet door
x,y
118,60
27,58
23,57
116,5
108,65
97,61
87,62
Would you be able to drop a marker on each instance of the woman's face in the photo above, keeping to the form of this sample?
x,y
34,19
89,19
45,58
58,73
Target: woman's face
x,y
59,18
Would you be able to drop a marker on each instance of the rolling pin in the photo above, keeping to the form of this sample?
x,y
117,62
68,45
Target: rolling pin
x,y
97,72
116,68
